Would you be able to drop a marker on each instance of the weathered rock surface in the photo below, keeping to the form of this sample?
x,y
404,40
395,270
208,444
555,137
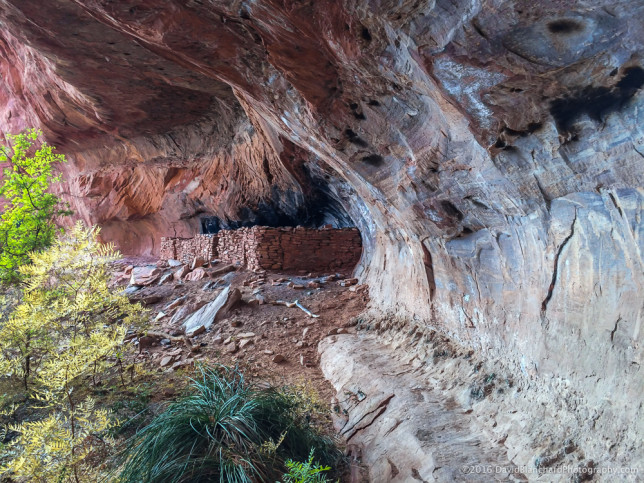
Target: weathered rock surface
x,y
215,310
196,274
489,151
145,275
219,271
181,272
442,414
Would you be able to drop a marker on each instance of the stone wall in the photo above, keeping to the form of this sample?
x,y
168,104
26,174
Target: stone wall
x,y
260,247
233,245
292,249
185,249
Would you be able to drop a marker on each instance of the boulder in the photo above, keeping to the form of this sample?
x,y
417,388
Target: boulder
x,y
182,313
348,282
151,295
131,290
195,331
185,312
182,272
145,275
215,310
209,285
166,278
180,364
120,278
196,274
232,347
245,343
197,262
174,263
176,303
218,271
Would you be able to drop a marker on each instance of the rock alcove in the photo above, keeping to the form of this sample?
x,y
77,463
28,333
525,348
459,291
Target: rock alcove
x,y
490,153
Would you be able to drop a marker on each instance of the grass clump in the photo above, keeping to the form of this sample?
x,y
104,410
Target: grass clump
x,y
226,429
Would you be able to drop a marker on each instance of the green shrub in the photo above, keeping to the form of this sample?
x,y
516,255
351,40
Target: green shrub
x,y
306,472
226,430
66,332
69,320
27,222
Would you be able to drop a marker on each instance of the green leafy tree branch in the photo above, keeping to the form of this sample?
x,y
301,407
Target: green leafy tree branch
x,y
28,221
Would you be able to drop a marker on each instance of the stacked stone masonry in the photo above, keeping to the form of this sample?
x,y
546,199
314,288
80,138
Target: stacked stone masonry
x,y
186,249
282,249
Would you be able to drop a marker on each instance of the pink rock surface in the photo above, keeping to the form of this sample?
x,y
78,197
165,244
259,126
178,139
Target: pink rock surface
x,y
196,274
490,153
146,275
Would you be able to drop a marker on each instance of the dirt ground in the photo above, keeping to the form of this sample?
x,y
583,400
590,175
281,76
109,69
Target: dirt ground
x,y
265,333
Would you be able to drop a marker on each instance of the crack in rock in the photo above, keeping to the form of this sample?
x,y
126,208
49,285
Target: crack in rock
x,y
555,271
376,412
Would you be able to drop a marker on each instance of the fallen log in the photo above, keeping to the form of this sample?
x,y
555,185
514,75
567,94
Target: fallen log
x,y
297,304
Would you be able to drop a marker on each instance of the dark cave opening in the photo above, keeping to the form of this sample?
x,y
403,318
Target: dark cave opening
x,y
319,209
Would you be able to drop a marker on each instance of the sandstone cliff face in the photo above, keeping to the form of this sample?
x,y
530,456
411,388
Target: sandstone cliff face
x,y
490,151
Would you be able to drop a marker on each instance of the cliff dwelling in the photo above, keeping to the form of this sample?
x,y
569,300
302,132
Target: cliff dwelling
x,y
408,234
289,250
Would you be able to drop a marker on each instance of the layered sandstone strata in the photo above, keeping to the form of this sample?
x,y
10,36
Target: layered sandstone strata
x,y
490,152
